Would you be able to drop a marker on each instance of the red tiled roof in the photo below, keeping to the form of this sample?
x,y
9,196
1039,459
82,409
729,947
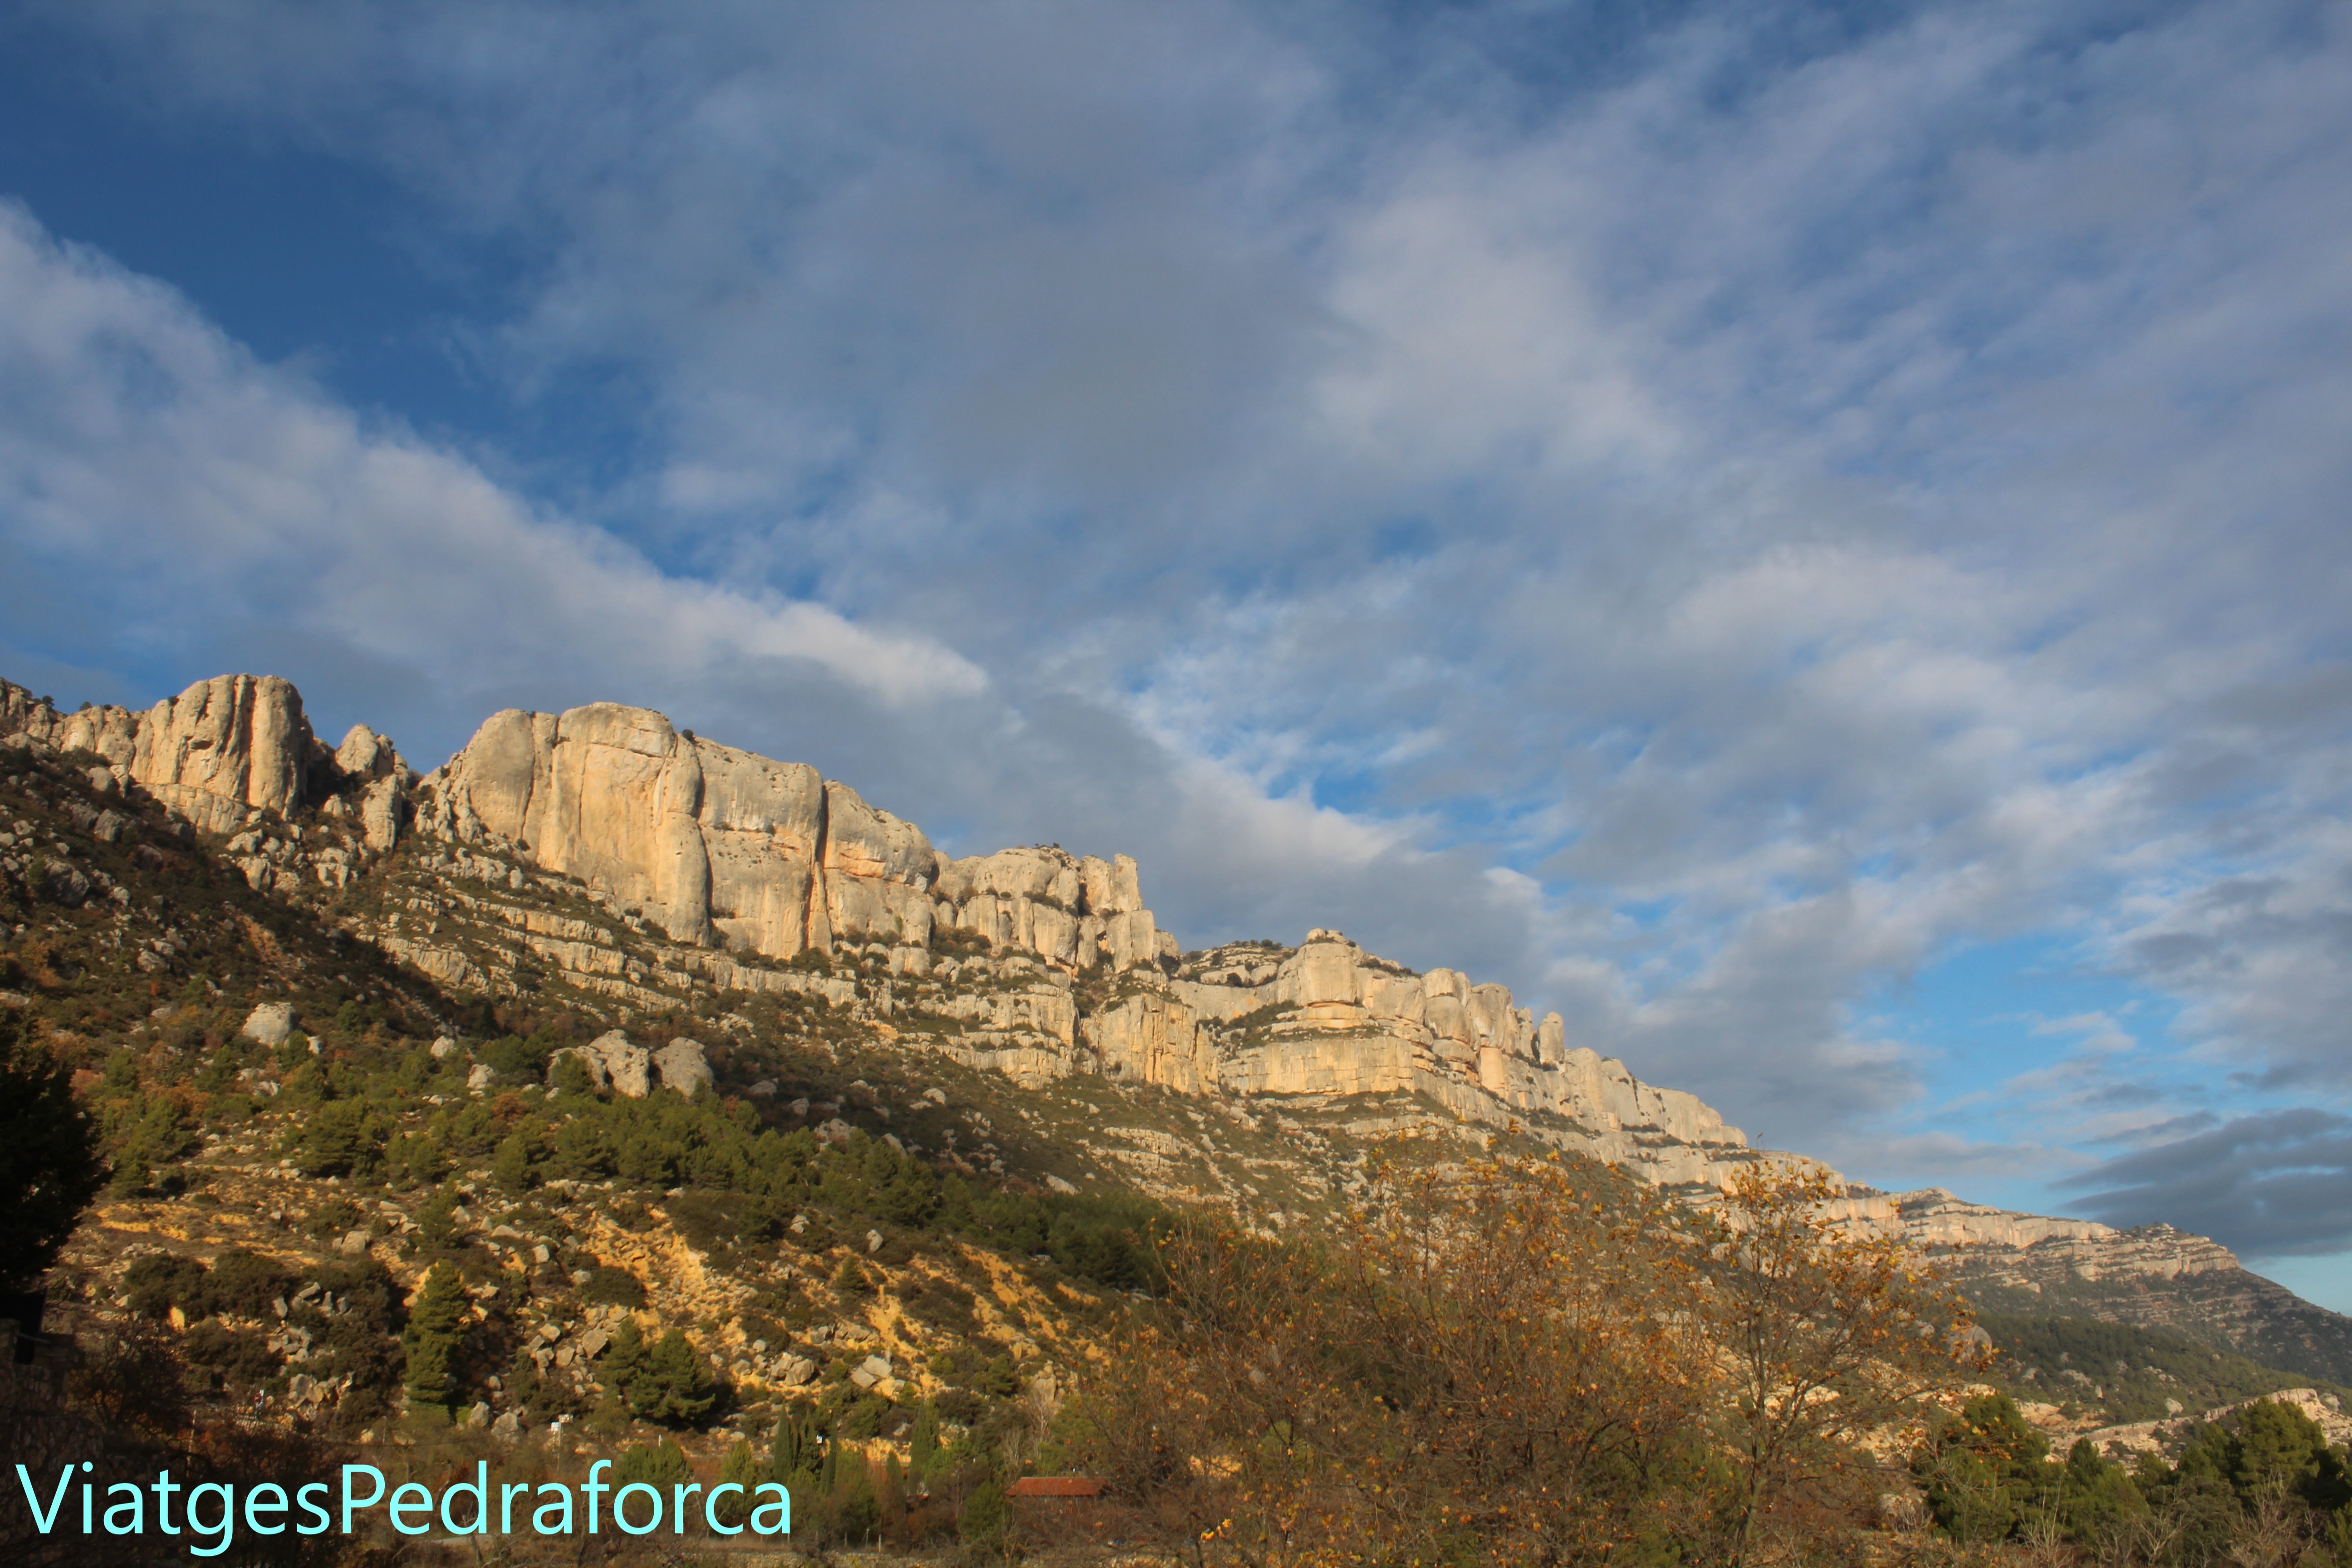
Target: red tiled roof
x,y
1055,1486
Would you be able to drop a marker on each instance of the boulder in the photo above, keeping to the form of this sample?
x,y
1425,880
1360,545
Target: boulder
x,y
63,882
481,1078
269,1024
684,1067
613,1062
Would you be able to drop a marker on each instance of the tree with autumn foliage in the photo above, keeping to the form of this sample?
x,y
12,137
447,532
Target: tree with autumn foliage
x,y
1491,1363
1521,1362
1837,1348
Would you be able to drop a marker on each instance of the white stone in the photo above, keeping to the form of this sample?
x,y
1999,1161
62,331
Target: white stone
x,y
269,1024
684,1066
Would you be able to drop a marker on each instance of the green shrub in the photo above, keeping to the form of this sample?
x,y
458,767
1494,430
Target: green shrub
x,y
660,1466
341,1138
610,1287
512,1165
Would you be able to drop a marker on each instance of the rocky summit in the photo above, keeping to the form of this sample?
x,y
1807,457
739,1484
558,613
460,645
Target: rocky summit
x,y
603,861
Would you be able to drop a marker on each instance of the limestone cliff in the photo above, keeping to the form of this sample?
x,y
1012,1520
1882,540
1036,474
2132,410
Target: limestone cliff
x,y
722,847
221,750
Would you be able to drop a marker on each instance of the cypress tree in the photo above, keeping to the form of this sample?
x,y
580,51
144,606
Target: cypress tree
x,y
739,1469
856,1511
431,1338
923,1449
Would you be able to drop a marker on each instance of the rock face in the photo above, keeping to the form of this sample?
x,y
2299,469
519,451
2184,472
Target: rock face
x,y
220,750
723,848
1328,1019
2151,1274
1065,909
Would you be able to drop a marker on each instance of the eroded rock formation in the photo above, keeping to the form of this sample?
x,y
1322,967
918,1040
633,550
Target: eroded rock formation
x,y
222,750
723,848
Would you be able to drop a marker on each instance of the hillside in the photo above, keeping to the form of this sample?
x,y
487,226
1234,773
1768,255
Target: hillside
x,y
639,1036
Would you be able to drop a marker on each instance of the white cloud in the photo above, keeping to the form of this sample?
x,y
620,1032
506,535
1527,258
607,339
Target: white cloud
x,y
142,448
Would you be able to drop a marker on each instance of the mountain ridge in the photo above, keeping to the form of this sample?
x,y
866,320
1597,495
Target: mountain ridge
x,y
695,868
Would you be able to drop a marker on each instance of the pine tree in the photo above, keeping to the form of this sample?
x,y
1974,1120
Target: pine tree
x,y
676,1386
1000,1379
856,1511
986,1517
438,1224
660,1467
510,1166
433,1334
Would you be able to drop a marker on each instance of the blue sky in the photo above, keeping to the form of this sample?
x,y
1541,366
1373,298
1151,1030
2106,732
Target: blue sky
x,y
1811,540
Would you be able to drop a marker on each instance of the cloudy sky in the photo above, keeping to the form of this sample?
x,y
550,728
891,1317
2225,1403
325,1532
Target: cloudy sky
x,y
1813,541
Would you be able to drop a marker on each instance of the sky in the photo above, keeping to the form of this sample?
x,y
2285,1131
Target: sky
x,y
1812,539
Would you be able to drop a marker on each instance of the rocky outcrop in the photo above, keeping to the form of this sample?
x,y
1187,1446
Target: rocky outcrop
x,y
2325,1411
613,1063
1070,911
726,848
1327,1019
220,750
618,1063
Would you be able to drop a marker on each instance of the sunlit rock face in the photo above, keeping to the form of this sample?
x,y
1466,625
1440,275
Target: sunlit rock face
x,y
724,847
220,750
